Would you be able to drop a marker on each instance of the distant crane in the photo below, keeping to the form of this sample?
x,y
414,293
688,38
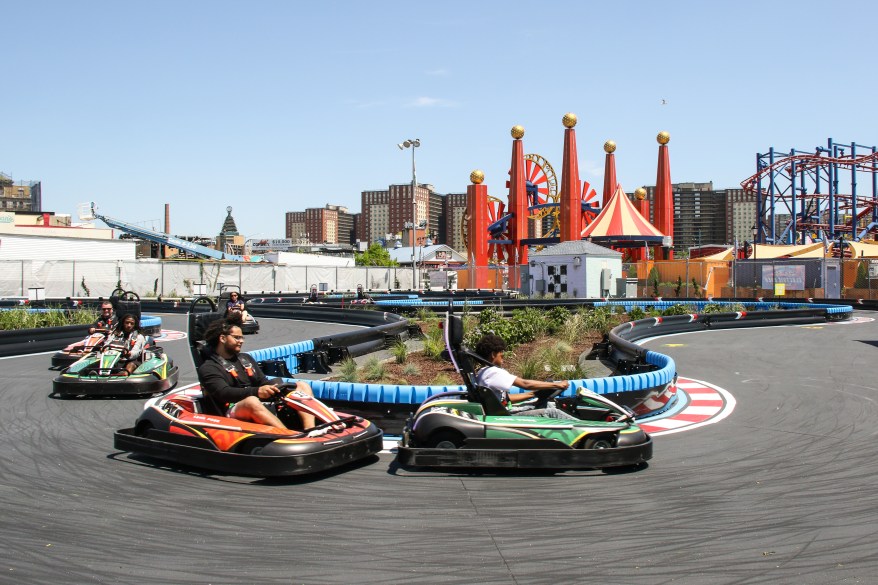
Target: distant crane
x,y
89,211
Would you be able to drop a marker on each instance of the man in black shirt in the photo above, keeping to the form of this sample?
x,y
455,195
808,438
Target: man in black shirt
x,y
232,382
107,319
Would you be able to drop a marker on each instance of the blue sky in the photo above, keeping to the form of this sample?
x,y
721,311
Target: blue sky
x,y
277,106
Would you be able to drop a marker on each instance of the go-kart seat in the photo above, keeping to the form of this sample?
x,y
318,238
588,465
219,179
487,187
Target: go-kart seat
x,y
463,359
198,324
127,307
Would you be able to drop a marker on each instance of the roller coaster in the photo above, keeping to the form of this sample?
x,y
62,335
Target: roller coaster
x,y
807,187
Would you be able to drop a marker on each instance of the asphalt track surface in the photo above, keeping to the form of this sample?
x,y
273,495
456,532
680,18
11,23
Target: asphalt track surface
x,y
781,491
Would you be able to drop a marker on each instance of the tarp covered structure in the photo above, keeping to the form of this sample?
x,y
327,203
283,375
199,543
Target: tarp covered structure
x,y
766,251
620,224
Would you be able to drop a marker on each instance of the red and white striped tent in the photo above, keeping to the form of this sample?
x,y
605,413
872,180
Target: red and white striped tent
x,y
620,224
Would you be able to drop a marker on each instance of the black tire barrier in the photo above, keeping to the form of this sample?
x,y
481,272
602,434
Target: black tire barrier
x,y
22,341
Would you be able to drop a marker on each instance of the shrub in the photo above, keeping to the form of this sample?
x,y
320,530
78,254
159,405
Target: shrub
x,y
555,318
598,319
410,369
400,352
862,280
636,313
572,329
678,309
348,371
374,370
434,345
527,366
21,318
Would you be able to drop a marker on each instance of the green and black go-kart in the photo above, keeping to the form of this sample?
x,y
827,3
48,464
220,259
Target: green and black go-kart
x,y
472,428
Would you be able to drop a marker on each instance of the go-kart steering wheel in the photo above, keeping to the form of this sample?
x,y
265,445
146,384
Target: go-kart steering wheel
x,y
284,389
544,396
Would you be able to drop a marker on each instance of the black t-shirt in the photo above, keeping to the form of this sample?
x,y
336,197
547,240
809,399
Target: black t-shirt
x,y
226,381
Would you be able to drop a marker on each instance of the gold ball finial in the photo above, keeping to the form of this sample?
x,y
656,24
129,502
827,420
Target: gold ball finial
x,y
640,193
517,132
477,177
609,146
569,120
663,137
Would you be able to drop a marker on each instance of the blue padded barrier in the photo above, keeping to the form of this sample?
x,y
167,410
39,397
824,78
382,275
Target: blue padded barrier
x,y
664,374
286,352
380,393
420,303
150,321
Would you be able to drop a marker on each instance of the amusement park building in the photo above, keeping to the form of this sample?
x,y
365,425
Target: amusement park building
x,y
573,269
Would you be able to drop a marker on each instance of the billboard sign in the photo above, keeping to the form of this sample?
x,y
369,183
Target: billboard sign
x,y
792,276
280,245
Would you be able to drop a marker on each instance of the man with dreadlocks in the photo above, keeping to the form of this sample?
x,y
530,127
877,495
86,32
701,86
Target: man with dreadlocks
x,y
232,382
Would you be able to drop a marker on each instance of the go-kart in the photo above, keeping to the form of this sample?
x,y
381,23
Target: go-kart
x,y
102,371
75,351
175,428
472,428
249,324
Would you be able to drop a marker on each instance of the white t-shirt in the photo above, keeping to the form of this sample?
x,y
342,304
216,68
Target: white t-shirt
x,y
498,380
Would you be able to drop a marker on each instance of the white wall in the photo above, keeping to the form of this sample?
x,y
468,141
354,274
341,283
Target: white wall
x,y
583,280
296,259
21,247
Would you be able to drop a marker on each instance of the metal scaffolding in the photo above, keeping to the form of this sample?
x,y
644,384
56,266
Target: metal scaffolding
x,y
805,190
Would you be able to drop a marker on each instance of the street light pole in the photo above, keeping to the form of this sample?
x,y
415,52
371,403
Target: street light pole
x,y
413,144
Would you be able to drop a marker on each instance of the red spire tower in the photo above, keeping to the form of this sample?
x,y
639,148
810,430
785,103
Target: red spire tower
x,y
571,200
477,227
518,198
641,204
664,196
609,171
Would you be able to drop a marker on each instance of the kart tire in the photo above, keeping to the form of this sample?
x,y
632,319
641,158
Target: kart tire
x,y
446,439
598,443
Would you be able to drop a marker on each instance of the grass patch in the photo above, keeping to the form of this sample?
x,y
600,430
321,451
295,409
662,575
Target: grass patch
x,y
400,352
348,371
22,318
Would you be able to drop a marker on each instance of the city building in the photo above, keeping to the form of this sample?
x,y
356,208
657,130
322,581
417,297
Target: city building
x,y
454,233
740,215
390,212
295,228
23,196
331,224
704,215
229,240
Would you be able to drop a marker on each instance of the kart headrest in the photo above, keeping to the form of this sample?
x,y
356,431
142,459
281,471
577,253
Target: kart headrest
x,y
455,330
198,324
123,307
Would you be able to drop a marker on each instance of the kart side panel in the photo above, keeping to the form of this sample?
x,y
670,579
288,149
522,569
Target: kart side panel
x,y
526,458
251,465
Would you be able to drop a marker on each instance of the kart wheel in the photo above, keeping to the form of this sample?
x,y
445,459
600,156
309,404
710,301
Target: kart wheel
x,y
142,428
598,443
446,439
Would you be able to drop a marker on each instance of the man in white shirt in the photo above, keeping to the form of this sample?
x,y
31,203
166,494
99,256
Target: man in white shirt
x,y
500,381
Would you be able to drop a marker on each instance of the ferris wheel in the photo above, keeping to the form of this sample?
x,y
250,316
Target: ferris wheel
x,y
590,206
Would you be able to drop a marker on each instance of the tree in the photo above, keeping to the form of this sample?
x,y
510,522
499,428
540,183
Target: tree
x,y
376,255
